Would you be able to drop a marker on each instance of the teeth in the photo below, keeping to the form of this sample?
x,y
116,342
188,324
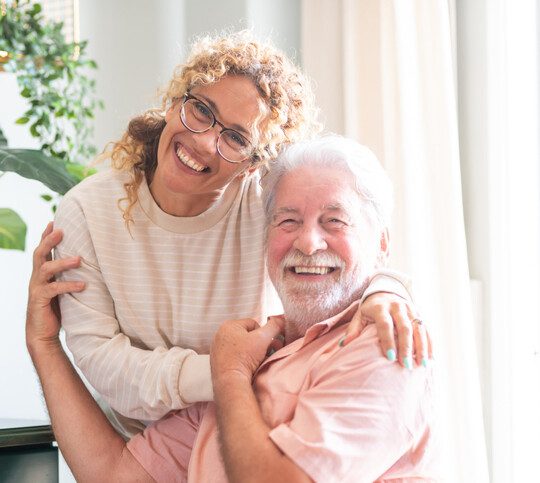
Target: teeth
x,y
189,162
315,270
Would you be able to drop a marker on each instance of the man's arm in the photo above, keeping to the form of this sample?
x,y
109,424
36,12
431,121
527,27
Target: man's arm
x,y
91,447
247,450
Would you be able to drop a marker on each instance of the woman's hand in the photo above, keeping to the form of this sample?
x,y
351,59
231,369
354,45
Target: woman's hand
x,y
42,314
392,315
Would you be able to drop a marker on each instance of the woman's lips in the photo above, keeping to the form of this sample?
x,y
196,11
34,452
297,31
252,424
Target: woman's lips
x,y
188,162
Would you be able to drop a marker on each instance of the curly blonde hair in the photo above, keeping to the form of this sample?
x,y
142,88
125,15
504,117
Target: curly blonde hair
x,y
288,111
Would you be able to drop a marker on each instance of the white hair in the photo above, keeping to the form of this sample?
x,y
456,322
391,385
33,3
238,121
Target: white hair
x,y
371,181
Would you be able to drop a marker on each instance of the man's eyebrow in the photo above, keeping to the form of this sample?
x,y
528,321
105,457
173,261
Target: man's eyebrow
x,y
283,211
334,207
215,108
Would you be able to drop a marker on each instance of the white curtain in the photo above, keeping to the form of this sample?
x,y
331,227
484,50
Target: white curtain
x,y
385,75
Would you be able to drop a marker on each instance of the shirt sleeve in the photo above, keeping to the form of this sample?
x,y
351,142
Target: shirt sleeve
x,y
164,448
360,415
390,281
138,383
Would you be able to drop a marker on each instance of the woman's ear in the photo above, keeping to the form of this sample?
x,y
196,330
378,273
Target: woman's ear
x,y
170,113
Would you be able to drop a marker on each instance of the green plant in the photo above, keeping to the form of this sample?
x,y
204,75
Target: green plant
x,y
53,75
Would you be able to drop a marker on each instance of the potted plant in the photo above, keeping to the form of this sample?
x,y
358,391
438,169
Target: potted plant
x,y
53,76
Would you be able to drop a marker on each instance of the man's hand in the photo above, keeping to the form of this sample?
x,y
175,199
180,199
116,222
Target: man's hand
x,y
42,315
240,346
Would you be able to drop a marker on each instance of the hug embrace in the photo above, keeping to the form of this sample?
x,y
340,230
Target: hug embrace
x,y
223,288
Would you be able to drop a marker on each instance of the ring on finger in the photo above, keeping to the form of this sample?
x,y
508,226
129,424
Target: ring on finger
x,y
418,321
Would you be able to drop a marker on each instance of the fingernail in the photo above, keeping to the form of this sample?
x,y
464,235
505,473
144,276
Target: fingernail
x,y
391,355
407,362
341,341
424,361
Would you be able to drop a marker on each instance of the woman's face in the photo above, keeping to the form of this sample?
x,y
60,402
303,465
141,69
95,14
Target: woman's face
x,y
190,173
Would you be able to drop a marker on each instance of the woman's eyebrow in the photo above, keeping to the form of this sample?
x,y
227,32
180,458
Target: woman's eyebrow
x,y
215,109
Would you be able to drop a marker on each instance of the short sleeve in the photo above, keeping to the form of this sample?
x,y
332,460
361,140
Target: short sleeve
x,y
360,415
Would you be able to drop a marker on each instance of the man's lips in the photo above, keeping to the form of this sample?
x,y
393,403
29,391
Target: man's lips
x,y
311,270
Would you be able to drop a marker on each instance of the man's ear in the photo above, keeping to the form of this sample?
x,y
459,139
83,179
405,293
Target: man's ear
x,y
248,172
385,247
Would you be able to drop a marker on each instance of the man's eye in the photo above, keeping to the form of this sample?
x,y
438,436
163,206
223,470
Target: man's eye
x,y
287,222
336,221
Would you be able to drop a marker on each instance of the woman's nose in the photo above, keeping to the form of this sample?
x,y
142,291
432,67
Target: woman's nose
x,y
206,142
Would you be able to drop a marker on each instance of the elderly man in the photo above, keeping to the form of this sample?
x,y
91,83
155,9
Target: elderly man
x,y
313,410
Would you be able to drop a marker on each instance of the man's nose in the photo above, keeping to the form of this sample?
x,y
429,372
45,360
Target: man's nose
x,y
310,240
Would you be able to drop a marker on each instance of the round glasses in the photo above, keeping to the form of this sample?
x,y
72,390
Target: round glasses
x,y
198,118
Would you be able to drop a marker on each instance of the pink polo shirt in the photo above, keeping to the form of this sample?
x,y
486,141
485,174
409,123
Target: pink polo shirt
x,y
341,414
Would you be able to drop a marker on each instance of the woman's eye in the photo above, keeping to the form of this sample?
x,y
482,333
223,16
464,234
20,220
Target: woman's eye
x,y
238,139
234,139
203,110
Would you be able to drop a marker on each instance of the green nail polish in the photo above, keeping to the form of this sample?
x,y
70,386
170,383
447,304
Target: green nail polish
x,y
391,355
407,362
341,342
424,361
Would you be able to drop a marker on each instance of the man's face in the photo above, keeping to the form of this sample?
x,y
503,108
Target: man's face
x,y
321,245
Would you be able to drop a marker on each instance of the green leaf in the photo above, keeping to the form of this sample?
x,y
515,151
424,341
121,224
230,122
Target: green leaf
x,y
46,197
33,164
3,140
12,230
26,93
79,171
22,120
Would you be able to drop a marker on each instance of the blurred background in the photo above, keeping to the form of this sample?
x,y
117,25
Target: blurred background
x,y
446,92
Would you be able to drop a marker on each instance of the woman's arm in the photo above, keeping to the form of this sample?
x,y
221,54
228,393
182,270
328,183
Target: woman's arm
x,y
387,302
138,383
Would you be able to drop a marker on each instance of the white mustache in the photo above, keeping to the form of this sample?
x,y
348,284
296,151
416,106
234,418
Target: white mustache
x,y
295,258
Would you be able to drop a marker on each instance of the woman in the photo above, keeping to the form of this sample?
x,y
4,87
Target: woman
x,y
170,241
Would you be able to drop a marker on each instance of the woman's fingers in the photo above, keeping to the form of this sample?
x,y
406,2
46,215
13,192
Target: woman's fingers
x,y
353,329
420,342
404,331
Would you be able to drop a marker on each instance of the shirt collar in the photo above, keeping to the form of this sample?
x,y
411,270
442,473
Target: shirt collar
x,y
314,332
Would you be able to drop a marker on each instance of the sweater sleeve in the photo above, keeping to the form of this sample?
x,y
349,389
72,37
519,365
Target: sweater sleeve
x,y
390,281
138,383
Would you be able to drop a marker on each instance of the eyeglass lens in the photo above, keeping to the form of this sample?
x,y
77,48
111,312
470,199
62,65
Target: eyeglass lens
x,y
198,117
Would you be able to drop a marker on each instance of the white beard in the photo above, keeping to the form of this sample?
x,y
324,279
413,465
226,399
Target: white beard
x,y
306,303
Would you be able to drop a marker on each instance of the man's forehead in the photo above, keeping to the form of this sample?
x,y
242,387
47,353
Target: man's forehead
x,y
333,206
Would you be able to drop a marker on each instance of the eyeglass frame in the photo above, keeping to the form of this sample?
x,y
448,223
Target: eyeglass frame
x,y
186,97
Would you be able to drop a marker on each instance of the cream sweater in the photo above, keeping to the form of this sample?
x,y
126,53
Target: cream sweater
x,y
141,330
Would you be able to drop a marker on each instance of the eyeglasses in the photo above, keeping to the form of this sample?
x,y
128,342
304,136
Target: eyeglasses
x,y
199,118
